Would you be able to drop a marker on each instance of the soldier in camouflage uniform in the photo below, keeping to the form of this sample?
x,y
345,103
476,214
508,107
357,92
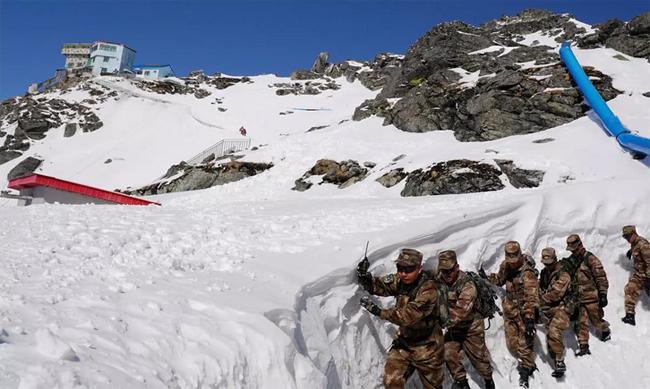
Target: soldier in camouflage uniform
x,y
520,307
592,286
554,284
418,345
465,328
640,279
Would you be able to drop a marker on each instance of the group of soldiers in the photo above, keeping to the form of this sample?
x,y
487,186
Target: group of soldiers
x,y
439,316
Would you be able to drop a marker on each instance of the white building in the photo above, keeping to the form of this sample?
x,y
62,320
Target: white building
x,y
154,71
77,55
109,57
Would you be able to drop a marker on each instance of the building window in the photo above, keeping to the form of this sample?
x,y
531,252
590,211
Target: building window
x,y
107,47
146,72
104,70
106,59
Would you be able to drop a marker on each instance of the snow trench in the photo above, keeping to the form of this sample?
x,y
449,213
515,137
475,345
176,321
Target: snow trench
x,y
348,345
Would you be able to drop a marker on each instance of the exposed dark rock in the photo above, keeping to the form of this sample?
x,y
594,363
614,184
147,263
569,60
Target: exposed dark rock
x,y
343,174
369,164
301,185
70,130
225,82
201,93
632,38
507,99
90,123
647,94
8,155
24,168
453,177
317,128
544,140
392,178
108,161
520,178
202,176
306,88
209,158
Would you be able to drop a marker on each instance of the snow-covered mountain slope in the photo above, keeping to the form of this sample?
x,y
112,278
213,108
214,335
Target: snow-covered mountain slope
x,y
250,284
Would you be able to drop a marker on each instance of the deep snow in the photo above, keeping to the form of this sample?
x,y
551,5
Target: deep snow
x,y
250,284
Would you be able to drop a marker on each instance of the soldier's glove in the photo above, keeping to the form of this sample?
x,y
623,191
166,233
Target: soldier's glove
x,y
530,328
364,278
370,306
629,254
481,273
362,267
602,300
646,283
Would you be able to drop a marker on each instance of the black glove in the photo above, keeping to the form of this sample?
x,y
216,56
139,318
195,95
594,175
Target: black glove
x,y
646,283
362,267
629,254
364,278
602,300
370,306
481,273
530,328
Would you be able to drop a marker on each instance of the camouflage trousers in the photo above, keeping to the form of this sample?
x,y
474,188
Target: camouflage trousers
x,y
558,323
633,292
518,344
471,341
590,312
427,360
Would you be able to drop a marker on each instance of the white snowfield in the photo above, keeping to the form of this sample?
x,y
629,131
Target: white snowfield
x,y
252,285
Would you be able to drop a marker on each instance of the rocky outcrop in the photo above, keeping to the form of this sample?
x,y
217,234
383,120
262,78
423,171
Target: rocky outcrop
x,y
342,174
392,178
304,88
520,178
481,83
453,177
35,116
201,177
8,155
631,38
171,87
24,168
372,74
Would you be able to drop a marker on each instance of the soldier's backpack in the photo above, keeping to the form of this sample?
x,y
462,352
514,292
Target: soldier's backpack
x,y
443,306
571,298
486,296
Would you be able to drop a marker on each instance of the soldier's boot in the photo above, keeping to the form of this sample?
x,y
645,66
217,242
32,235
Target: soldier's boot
x,y
584,350
560,369
605,335
524,374
460,384
489,383
629,319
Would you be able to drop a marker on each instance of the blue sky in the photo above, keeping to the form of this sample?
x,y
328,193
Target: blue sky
x,y
245,37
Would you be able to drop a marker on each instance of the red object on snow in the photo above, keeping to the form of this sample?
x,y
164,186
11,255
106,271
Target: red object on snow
x,y
36,180
242,130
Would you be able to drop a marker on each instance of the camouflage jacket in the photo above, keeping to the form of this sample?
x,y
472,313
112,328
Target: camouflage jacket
x,y
553,287
415,310
641,256
522,290
461,297
592,279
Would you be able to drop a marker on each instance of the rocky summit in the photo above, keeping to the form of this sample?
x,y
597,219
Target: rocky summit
x,y
493,81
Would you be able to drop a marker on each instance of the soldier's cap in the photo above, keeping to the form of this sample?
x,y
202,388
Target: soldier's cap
x,y
512,247
573,242
409,257
629,230
548,255
447,260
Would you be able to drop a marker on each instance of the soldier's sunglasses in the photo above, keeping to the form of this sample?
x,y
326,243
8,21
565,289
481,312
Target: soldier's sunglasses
x,y
512,255
406,269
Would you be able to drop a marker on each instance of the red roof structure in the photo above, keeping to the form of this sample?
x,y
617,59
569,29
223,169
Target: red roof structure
x,y
39,180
